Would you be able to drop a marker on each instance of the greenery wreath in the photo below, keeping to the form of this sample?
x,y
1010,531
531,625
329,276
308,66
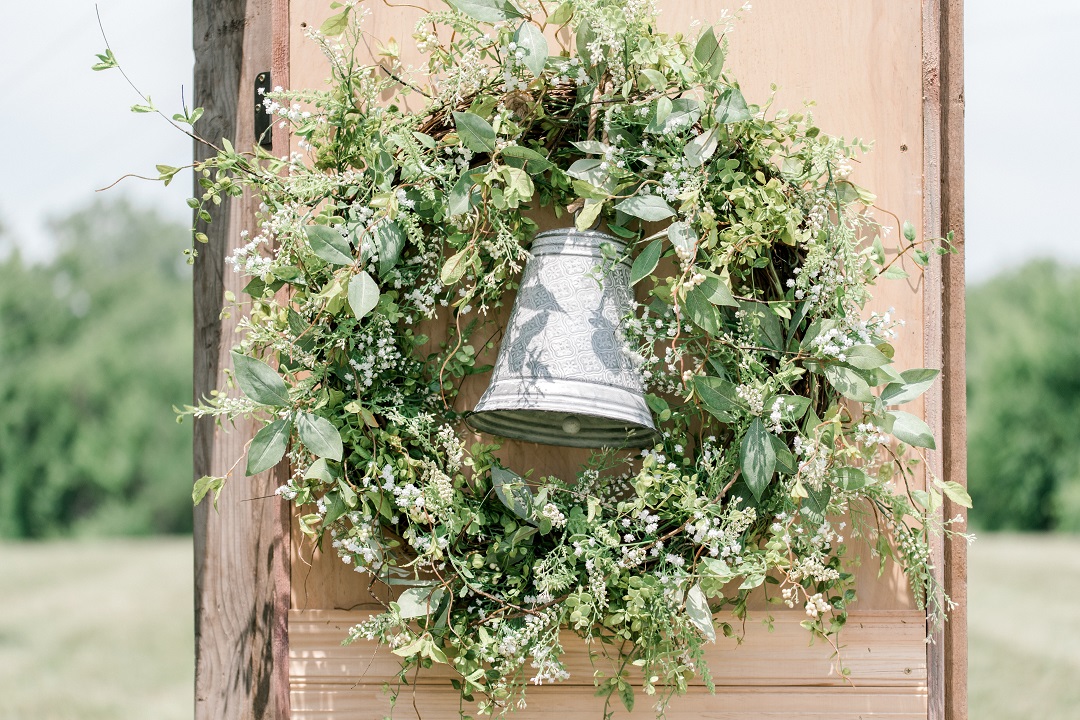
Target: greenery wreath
x,y
752,251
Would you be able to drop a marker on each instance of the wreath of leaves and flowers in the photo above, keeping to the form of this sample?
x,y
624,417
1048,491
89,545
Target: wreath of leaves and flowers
x,y
775,394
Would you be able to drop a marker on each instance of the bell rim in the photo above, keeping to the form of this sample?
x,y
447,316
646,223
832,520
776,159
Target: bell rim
x,y
637,435
590,247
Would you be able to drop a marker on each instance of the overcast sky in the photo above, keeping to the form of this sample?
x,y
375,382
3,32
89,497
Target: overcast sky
x,y
68,129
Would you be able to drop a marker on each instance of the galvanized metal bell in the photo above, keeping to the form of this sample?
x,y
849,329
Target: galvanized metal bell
x,y
563,375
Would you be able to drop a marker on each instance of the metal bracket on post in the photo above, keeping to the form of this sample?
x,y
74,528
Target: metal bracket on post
x,y
264,122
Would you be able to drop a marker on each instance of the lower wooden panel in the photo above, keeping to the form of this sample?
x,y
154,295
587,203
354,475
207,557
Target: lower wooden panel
x,y
368,702
777,673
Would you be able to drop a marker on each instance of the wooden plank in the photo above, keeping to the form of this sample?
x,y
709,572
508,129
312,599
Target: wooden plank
x,y
370,702
880,649
954,396
241,560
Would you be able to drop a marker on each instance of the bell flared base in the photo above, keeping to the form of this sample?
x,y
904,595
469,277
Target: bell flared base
x,y
571,413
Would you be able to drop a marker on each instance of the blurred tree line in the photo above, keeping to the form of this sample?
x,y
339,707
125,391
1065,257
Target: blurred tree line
x,y
95,350
1023,363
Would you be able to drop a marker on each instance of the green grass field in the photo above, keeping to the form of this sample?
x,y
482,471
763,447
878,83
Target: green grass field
x,y
103,629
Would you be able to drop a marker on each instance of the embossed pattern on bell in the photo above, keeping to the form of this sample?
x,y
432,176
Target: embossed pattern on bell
x,y
563,375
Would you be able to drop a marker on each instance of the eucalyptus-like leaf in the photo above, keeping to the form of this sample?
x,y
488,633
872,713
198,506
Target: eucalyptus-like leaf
x,y
719,397
319,436
683,237
731,107
475,132
954,491
489,11
529,38
701,148
865,357
268,446
259,381
513,492
651,208
716,291
849,383
390,240
419,602
916,382
758,458
645,262
329,244
911,429
709,53
363,294
454,268
702,312
335,24
697,609
525,158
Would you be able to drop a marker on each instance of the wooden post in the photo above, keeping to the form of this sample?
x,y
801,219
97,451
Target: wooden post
x,y
241,548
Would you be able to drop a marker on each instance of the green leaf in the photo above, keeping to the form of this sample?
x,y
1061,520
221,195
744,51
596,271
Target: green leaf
x,y
654,78
645,262
916,382
865,357
709,54
454,268
204,485
702,312
799,404
489,11
390,240
142,108
673,114
320,436
562,14
850,478
513,492
701,148
419,601
526,158
320,471
716,290
954,491
268,446
650,208
529,37
683,237
259,381
718,396
363,294
588,214
731,107
766,324
106,61
911,429
758,458
909,231
475,132
335,24
848,383
465,193
336,507
626,694
328,244
697,609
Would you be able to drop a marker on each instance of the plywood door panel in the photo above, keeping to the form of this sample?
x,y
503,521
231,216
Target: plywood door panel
x,y
862,63
878,649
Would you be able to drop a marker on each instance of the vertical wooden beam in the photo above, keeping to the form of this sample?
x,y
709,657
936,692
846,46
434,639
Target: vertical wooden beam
x,y
954,356
943,115
241,549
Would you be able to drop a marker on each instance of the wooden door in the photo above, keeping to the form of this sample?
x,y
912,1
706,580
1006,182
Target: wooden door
x,y
876,70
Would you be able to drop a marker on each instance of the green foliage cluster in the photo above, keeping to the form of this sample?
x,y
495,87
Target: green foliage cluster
x,y
95,346
1023,359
